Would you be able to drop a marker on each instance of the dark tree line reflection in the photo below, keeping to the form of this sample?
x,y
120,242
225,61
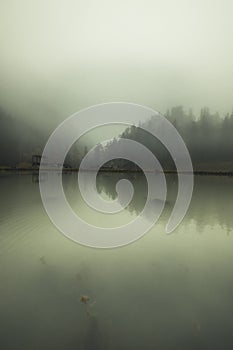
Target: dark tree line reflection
x,y
210,205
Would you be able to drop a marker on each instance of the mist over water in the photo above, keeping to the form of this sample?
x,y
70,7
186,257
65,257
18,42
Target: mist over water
x,y
166,291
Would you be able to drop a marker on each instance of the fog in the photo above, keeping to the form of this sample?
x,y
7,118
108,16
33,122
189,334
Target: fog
x,y
60,56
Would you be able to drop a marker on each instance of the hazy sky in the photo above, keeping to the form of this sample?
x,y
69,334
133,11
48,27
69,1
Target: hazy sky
x,y
60,56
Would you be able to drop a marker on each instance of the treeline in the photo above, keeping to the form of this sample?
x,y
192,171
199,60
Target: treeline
x,y
208,138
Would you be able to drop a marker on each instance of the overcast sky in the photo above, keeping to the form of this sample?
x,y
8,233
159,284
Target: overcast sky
x,y
60,56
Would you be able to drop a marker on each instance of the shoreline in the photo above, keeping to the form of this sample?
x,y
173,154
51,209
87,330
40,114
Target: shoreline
x,y
71,170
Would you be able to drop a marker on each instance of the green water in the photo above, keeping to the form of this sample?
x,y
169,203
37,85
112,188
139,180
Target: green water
x,y
161,292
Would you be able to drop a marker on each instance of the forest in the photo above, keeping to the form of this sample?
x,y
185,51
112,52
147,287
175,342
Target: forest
x,y
207,136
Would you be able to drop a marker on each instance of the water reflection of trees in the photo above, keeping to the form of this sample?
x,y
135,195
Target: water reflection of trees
x,y
107,183
211,202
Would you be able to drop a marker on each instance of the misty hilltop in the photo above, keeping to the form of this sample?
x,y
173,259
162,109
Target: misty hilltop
x,y
207,137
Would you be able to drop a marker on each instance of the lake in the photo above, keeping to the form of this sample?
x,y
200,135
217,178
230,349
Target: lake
x,y
161,292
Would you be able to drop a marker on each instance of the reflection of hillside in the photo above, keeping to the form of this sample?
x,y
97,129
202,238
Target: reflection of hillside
x,y
211,202
107,183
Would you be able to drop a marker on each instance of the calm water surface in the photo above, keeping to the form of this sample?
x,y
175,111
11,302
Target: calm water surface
x,y
161,292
